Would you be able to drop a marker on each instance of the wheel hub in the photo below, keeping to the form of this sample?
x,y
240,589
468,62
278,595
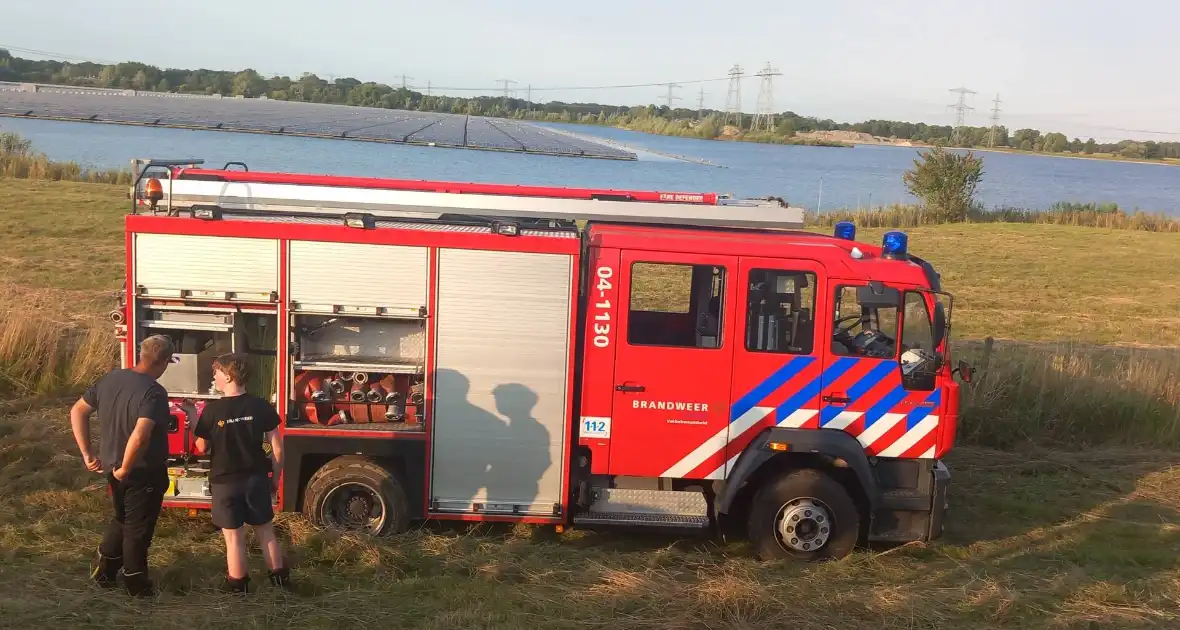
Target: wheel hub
x,y
358,508
804,525
355,506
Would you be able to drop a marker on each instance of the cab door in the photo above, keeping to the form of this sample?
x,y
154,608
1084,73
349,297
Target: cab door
x,y
862,391
673,364
778,349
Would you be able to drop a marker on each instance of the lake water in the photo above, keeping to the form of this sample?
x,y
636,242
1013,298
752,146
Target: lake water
x,y
848,178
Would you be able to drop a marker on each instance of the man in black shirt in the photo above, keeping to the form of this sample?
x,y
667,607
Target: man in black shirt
x,y
133,411
233,431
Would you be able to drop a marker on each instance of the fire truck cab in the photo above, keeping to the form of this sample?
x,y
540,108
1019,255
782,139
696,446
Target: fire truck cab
x,y
561,356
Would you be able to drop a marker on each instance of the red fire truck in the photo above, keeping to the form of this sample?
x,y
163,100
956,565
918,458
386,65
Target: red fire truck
x,y
561,356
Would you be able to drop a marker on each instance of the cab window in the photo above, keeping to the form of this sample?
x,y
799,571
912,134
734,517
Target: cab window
x,y
865,322
780,311
676,305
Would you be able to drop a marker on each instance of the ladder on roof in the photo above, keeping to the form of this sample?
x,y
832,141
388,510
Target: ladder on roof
x,y
295,199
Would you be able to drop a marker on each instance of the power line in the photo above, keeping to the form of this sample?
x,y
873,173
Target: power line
x,y
733,99
583,87
991,138
765,114
631,85
670,97
1162,133
961,108
506,83
57,55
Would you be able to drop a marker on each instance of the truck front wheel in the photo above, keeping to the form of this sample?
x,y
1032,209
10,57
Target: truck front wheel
x,y
803,515
357,493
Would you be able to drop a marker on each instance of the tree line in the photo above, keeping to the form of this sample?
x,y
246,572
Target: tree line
x,y
651,118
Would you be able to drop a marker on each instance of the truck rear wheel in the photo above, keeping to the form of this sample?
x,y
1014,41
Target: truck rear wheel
x,y
357,493
803,515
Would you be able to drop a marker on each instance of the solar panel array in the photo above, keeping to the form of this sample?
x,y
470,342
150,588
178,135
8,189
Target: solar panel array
x,y
300,119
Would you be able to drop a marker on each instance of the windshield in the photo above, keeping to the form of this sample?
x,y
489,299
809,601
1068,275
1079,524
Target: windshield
x,y
868,322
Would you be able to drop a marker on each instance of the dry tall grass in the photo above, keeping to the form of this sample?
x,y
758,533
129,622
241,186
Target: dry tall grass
x,y
1108,216
1071,395
52,342
39,355
18,160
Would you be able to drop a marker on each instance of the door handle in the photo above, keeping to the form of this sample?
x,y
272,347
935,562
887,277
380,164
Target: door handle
x,y
838,400
630,388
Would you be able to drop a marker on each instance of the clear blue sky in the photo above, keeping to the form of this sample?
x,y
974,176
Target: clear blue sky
x,y
1084,67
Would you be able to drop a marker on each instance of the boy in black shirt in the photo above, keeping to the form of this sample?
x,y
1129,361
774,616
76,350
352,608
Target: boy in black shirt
x,y
232,430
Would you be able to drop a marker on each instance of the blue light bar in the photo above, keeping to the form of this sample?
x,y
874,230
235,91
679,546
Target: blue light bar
x,y
845,230
895,245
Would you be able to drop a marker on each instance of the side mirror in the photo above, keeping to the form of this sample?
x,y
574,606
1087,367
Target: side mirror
x,y
966,372
939,324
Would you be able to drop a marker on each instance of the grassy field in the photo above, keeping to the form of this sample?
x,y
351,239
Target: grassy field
x,y
1036,539
1074,524
1106,157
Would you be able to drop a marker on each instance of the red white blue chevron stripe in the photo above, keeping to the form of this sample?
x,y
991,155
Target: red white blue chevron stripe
x,y
887,419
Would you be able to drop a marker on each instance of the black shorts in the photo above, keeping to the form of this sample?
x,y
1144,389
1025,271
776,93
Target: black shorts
x,y
243,502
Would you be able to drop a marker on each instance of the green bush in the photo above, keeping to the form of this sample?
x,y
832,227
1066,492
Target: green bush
x,y
945,182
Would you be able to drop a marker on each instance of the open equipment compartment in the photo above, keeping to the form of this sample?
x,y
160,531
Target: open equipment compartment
x,y
201,333
358,334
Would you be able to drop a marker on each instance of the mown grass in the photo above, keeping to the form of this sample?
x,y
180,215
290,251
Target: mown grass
x,y
62,235
1041,283
1035,539
1055,283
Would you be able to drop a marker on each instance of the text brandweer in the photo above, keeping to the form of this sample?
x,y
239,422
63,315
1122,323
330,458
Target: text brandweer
x,y
669,405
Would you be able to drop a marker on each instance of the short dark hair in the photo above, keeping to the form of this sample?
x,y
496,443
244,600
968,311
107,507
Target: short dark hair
x,y
234,366
156,350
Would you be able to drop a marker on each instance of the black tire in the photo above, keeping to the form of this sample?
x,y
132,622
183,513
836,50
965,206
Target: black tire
x,y
337,496
777,495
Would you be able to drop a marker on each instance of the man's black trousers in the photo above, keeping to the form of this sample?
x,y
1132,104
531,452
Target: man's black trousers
x,y
137,500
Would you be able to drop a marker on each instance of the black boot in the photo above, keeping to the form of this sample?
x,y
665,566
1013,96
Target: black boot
x,y
281,577
105,571
139,584
236,585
